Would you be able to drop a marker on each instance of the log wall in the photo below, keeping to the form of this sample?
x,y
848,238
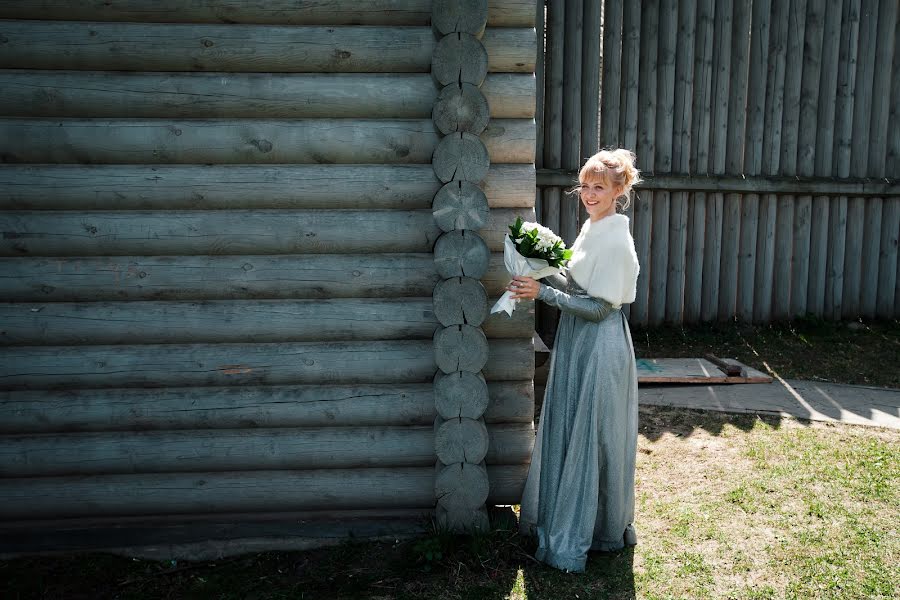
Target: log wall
x,y
786,111
222,235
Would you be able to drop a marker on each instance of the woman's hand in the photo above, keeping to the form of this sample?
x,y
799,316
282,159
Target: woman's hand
x,y
524,288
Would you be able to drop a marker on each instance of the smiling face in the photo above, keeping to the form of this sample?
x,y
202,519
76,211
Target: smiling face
x,y
598,196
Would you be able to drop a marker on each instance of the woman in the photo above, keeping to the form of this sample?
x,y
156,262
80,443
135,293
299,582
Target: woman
x,y
579,495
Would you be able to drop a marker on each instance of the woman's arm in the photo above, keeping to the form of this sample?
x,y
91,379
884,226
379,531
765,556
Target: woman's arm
x,y
557,281
586,307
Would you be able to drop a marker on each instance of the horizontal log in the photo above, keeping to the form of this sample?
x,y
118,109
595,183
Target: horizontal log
x,y
258,491
113,95
747,184
233,321
501,13
91,279
239,407
197,187
411,361
207,493
314,141
209,537
118,233
241,450
243,48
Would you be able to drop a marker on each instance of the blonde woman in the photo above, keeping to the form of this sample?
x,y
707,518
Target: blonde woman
x,y
579,495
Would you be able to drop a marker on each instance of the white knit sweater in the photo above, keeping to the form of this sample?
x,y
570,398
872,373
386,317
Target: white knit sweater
x,y
604,262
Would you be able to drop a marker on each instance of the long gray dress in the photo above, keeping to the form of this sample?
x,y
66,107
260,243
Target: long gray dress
x,y
579,494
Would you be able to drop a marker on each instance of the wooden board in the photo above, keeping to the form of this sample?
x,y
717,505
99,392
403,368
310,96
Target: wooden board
x,y
693,370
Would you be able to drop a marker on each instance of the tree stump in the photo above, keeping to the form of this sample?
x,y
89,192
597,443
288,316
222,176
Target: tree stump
x,y
460,440
461,487
463,16
461,253
461,157
460,301
460,348
461,107
459,58
460,394
460,205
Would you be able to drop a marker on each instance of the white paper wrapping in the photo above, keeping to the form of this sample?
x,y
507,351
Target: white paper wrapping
x,y
516,264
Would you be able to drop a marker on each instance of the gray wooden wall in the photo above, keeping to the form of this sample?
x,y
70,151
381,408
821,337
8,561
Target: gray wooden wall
x,y
768,132
217,267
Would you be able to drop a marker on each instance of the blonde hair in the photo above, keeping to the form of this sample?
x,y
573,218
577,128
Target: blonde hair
x,y
614,167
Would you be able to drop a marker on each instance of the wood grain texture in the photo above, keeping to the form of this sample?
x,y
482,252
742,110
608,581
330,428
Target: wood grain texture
x,y
461,157
314,141
462,301
460,395
460,348
115,95
461,108
207,493
461,254
149,365
460,205
223,48
92,279
74,233
198,187
461,486
238,407
466,16
459,58
255,449
461,440
501,13
234,321
887,259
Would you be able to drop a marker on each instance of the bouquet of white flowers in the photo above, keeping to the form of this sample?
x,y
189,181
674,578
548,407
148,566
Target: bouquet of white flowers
x,y
530,250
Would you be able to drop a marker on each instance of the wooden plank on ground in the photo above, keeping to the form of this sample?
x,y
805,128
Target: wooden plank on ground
x,y
693,370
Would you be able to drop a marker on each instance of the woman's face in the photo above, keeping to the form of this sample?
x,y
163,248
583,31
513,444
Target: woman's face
x,y
598,197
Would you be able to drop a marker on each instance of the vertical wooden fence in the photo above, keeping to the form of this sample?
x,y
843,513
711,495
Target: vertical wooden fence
x,y
767,133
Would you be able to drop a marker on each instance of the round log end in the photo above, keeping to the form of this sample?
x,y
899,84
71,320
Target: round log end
x,y
461,487
461,157
460,394
461,253
460,348
463,521
459,16
461,108
460,301
460,441
459,58
460,205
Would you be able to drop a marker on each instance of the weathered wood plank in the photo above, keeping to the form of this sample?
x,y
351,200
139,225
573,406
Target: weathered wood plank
x,y
207,493
237,407
825,122
818,257
887,259
631,54
846,87
881,87
747,257
276,49
75,233
209,537
243,450
611,116
409,361
659,257
677,260
712,257
112,95
728,267
198,187
152,141
590,77
871,250
696,248
765,259
90,279
853,257
834,266
784,249
233,321
501,13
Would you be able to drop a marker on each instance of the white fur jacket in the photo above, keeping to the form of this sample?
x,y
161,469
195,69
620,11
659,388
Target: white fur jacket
x,y
604,262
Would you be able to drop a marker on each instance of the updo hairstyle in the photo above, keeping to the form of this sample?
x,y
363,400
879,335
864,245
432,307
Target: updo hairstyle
x,y
615,168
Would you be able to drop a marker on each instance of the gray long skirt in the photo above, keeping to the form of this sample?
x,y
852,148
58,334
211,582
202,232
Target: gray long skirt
x,y
579,494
